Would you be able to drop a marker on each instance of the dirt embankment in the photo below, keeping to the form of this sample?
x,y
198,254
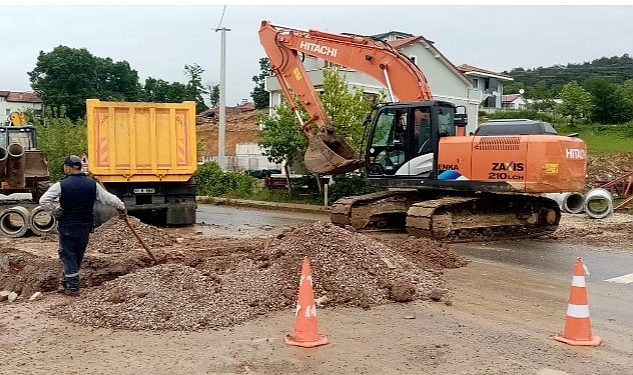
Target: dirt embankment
x,y
240,129
601,169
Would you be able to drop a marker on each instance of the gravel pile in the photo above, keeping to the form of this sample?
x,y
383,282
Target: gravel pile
x,y
347,269
114,236
615,230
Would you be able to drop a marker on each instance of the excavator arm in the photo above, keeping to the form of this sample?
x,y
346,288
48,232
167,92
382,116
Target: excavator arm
x,y
326,152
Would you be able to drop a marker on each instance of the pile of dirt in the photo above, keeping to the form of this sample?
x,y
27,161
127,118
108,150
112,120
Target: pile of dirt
x,y
614,231
601,169
114,237
228,288
429,254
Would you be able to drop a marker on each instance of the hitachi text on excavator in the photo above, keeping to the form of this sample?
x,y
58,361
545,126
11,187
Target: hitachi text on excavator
x,y
440,182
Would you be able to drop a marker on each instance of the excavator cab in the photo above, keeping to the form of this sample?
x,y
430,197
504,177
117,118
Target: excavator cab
x,y
404,138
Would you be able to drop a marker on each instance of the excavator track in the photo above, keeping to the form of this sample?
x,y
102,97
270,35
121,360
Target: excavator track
x,y
480,217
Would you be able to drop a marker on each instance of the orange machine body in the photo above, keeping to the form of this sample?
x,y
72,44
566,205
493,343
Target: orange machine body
x,y
528,163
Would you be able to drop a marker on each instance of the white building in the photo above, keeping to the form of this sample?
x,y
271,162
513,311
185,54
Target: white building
x,y
14,101
489,83
514,101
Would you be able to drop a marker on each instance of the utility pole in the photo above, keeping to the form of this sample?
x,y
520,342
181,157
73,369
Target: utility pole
x,y
222,126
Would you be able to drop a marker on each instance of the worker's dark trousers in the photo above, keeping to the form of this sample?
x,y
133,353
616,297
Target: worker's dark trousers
x,y
72,246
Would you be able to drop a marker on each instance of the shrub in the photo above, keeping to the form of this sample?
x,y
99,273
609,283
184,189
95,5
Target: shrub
x,y
347,185
211,180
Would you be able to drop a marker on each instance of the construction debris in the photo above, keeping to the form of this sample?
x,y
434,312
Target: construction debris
x,y
223,289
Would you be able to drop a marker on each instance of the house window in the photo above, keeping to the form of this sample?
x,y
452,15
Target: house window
x,y
475,83
8,110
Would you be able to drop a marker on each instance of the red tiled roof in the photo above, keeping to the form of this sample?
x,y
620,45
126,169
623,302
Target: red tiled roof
x,y
465,68
23,97
401,43
509,98
4,93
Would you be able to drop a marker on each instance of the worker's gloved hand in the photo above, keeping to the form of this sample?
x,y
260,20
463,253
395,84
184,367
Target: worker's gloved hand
x,y
57,212
122,213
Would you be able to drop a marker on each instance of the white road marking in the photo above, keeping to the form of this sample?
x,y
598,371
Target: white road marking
x,y
624,279
547,371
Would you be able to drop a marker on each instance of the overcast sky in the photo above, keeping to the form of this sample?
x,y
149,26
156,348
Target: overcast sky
x,y
158,41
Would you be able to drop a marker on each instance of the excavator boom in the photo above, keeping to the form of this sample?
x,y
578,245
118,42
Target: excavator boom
x,y
328,153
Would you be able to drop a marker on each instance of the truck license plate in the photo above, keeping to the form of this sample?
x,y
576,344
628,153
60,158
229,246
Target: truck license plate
x,y
145,191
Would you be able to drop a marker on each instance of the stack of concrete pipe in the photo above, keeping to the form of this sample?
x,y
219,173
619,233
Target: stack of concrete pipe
x,y
597,203
18,221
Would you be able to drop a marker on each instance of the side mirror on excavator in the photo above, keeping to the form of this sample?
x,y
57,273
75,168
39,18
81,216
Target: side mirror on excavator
x,y
461,120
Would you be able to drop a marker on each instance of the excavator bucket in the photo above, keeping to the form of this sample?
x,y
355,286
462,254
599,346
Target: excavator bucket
x,y
329,154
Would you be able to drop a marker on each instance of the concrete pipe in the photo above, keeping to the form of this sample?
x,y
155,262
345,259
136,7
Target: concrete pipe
x,y
42,221
572,203
15,166
14,222
598,203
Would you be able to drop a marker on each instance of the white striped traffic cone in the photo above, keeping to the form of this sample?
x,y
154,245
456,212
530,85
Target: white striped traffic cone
x,y
577,324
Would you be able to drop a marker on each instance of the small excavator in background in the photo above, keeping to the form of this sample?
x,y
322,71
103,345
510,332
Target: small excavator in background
x,y
440,182
24,177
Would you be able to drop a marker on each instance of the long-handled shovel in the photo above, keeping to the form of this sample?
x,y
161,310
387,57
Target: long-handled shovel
x,y
140,240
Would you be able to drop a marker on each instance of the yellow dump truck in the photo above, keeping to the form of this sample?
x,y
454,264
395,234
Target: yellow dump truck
x,y
145,153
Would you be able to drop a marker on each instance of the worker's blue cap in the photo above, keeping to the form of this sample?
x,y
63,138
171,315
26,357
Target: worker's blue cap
x,y
73,161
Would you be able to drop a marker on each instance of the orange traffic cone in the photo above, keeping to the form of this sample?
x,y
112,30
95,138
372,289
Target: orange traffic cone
x,y
306,333
577,324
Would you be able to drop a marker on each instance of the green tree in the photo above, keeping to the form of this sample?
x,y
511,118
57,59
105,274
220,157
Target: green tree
x,y
610,104
627,89
58,136
195,88
68,76
347,109
259,94
214,95
577,102
539,90
280,137
160,91
513,87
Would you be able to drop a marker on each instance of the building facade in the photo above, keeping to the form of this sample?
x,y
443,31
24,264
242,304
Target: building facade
x,y
14,101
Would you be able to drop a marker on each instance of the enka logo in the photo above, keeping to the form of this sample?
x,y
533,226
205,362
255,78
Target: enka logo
x,y
448,167
575,153
313,47
510,167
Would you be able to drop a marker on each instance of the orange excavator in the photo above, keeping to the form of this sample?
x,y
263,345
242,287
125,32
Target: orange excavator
x,y
440,182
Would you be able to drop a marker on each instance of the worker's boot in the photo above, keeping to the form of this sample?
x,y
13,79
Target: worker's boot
x,y
72,292
72,285
61,288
